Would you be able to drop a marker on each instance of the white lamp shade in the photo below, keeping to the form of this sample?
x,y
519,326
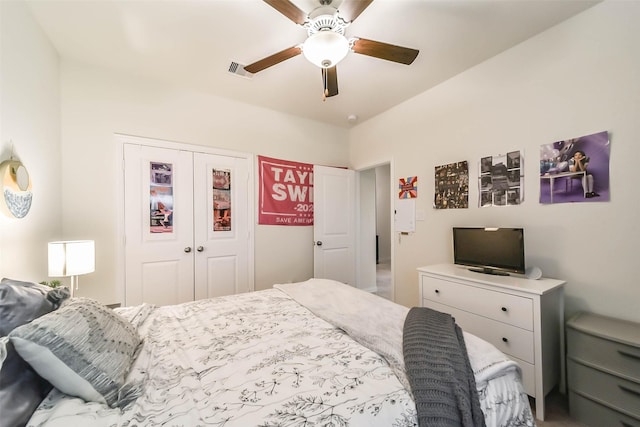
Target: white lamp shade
x,y
71,258
325,48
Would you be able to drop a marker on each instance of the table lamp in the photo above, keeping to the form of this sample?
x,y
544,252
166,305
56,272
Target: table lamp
x,y
70,259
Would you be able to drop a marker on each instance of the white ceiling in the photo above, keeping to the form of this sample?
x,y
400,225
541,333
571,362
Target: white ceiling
x,y
191,43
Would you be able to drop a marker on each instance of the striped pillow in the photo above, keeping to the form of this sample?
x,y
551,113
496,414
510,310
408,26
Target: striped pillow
x,y
83,349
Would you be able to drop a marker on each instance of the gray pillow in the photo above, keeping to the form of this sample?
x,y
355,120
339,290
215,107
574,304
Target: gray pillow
x,y
83,349
21,388
21,302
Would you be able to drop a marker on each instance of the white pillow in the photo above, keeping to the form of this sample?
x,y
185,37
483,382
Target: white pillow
x,y
83,349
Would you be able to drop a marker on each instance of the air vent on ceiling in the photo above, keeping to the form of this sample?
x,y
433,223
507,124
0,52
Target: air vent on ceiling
x,y
238,70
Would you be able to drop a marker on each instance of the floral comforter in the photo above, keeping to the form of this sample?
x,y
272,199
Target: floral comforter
x,y
258,359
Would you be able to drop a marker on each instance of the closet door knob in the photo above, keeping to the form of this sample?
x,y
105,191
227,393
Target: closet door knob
x,y
504,339
437,291
187,249
200,249
504,309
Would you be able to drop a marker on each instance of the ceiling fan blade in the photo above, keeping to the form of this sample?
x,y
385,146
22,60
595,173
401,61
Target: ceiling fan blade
x,y
330,81
289,10
351,9
390,52
274,59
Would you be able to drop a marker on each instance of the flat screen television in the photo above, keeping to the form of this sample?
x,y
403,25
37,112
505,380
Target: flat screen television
x,y
489,250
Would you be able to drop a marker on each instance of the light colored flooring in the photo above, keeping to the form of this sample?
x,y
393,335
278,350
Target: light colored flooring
x,y
383,280
557,412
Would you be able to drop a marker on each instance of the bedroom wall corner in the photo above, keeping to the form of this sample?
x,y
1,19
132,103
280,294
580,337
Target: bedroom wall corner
x,y
30,126
577,78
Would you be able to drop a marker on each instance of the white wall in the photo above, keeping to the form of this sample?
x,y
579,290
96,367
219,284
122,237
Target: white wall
x,y
30,123
575,79
97,103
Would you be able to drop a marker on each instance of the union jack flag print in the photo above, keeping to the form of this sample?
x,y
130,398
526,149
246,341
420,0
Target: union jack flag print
x,y
408,187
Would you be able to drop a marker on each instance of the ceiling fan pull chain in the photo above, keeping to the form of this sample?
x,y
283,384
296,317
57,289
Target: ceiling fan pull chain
x,y
325,93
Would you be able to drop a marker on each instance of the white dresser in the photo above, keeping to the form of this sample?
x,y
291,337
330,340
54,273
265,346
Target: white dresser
x,y
523,318
603,365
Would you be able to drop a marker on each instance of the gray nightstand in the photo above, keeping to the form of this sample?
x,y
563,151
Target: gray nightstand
x,y
603,367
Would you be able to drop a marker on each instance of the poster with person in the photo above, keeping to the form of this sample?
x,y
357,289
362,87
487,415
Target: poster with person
x,y
575,170
161,198
221,199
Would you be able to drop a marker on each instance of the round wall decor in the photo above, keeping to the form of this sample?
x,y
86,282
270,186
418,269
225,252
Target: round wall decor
x,y
16,189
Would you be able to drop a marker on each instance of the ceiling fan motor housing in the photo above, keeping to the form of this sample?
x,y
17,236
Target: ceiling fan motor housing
x,y
325,18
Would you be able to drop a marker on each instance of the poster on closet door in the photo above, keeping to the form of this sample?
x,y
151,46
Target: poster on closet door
x,y
161,197
221,199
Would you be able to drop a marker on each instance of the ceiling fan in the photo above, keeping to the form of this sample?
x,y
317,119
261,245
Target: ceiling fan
x,y
326,44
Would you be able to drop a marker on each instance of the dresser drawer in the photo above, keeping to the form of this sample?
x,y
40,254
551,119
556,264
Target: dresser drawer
x,y
593,414
528,372
511,309
614,391
510,340
610,355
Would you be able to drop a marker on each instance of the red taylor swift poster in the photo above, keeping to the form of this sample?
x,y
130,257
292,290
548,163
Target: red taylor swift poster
x,y
285,193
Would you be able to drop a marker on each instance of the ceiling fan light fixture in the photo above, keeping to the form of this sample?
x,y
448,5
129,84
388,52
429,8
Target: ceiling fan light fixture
x,y
325,48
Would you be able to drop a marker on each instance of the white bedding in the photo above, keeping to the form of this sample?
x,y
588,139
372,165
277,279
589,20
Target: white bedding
x,y
262,359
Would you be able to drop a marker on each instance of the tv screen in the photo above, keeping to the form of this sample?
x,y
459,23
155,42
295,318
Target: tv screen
x,y
489,250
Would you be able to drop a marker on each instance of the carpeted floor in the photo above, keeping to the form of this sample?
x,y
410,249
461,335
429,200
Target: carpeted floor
x,y
557,412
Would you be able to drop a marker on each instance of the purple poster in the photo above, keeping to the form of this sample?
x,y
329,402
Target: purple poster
x,y
575,170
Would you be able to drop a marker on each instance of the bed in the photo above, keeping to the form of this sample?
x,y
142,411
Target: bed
x,y
315,353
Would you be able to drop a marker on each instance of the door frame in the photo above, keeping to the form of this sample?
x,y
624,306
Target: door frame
x,y
391,207
120,141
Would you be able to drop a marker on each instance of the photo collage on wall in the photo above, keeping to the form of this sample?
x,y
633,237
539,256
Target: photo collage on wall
x,y
452,186
161,198
501,180
221,199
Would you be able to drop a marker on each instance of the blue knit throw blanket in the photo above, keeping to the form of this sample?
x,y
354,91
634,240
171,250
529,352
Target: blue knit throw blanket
x,y
439,371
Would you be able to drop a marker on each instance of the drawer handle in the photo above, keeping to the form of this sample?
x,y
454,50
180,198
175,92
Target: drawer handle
x,y
504,309
504,339
629,390
626,353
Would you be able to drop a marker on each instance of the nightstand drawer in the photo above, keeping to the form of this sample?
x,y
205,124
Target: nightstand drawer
x,y
612,356
600,386
510,340
510,309
594,414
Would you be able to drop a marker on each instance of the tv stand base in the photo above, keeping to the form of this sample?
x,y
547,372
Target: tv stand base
x,y
489,271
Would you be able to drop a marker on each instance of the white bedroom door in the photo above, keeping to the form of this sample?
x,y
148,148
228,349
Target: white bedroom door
x,y
334,196
221,213
158,195
187,224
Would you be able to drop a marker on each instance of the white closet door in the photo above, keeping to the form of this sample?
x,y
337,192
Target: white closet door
x,y
158,225
334,224
221,215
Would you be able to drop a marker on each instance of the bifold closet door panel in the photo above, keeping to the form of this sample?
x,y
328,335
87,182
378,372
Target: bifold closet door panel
x,y
158,209
221,218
